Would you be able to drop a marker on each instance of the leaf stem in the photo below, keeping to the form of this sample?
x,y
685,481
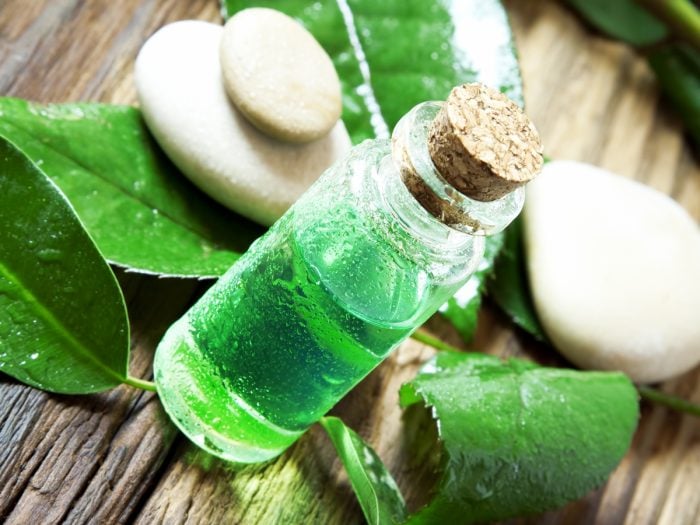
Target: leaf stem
x,y
430,340
668,400
140,383
681,16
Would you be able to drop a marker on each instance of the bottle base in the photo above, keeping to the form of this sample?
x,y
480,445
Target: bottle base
x,y
210,415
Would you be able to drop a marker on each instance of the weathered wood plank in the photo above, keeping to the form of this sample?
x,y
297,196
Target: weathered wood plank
x,y
99,459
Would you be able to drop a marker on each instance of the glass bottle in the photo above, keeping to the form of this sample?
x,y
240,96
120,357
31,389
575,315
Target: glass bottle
x,y
361,260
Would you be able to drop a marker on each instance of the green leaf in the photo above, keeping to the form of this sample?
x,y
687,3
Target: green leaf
x,y
519,439
462,310
677,68
376,490
63,323
624,20
394,54
139,210
508,285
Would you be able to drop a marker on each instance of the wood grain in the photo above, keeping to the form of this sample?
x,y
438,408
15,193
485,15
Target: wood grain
x,y
113,458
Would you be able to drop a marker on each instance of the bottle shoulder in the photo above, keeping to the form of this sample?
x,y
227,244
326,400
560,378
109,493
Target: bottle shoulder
x,y
375,262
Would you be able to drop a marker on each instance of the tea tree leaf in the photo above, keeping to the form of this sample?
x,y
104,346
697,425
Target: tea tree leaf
x,y
376,490
677,67
394,54
624,20
516,438
140,211
508,285
462,310
63,323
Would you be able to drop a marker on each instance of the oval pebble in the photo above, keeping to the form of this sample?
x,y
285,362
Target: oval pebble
x,y
279,76
184,103
614,268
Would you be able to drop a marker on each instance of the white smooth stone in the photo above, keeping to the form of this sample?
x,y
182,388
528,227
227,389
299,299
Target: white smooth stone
x,y
279,76
614,268
180,87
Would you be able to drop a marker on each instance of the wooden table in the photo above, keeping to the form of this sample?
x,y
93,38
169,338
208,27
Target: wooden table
x,y
114,457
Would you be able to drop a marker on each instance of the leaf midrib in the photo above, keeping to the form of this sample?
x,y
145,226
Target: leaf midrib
x,y
370,100
45,314
347,438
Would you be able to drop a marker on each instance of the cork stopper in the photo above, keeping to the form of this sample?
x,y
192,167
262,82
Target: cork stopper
x,y
483,144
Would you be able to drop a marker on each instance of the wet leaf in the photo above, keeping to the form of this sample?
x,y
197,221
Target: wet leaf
x,y
376,490
63,323
508,285
142,213
462,310
394,54
517,438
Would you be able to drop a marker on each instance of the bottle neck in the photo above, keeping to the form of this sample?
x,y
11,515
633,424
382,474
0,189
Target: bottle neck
x,y
440,240
430,193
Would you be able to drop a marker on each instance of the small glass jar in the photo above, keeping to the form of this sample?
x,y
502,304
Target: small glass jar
x,y
323,297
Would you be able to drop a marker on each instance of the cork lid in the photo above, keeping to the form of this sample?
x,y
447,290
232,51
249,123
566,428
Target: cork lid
x,y
483,144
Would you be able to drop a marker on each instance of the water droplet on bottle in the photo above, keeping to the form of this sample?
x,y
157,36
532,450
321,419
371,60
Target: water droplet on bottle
x,y
331,379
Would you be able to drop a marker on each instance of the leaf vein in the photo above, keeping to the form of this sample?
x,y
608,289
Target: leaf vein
x,y
54,323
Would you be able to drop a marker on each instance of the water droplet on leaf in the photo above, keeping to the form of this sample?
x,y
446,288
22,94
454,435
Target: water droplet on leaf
x,y
50,255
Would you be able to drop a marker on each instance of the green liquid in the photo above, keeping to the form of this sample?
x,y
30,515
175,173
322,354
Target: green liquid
x,y
292,327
